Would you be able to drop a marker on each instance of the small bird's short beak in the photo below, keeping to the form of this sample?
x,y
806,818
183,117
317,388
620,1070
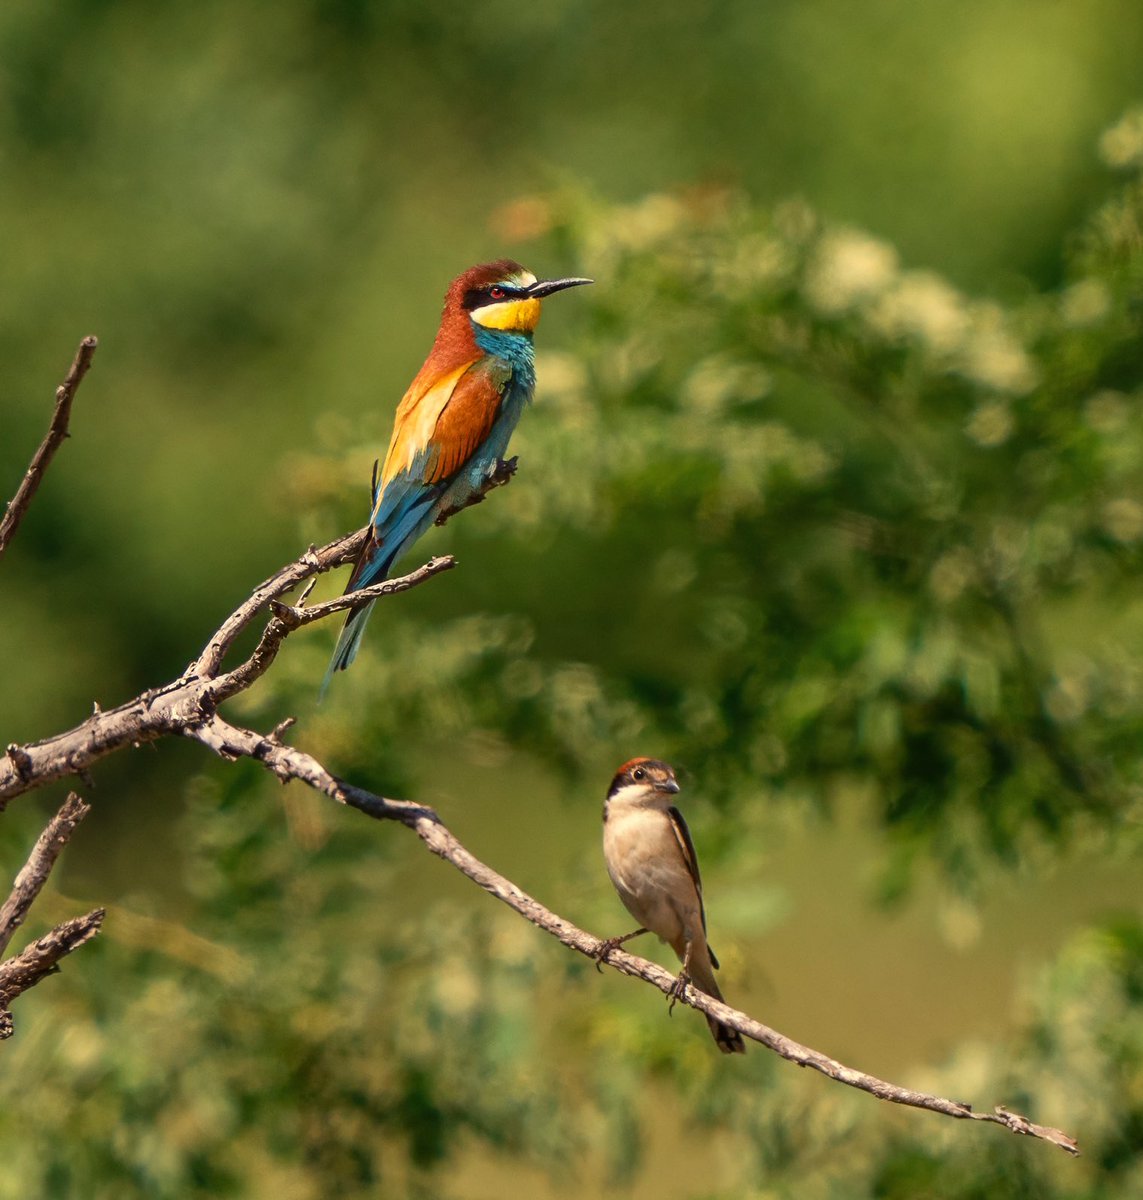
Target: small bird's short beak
x,y
668,785
546,287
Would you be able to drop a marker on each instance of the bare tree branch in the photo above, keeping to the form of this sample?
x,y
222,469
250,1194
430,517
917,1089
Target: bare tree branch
x,y
41,959
57,431
287,618
28,968
432,831
188,706
335,554
40,862
191,700
286,762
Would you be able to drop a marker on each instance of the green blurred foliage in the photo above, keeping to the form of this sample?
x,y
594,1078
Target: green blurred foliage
x,y
837,532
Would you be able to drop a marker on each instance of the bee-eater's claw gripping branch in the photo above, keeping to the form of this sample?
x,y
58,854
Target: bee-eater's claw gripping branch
x,y
188,707
502,474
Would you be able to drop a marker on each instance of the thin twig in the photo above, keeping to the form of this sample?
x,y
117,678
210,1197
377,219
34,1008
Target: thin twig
x,y
191,700
26,969
40,959
40,862
57,431
315,561
286,762
287,618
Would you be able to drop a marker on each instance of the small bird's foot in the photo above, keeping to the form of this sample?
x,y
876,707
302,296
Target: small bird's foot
x,y
678,990
604,949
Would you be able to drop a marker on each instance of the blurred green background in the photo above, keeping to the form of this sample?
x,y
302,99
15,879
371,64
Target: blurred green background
x,y
832,495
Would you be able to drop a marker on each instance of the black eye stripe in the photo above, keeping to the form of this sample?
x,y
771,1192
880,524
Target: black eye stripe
x,y
478,297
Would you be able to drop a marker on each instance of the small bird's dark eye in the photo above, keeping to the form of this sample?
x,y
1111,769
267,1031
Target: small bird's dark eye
x,y
639,773
497,292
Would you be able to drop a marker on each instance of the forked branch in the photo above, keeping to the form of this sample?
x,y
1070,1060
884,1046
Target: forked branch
x,y
32,878
26,969
41,959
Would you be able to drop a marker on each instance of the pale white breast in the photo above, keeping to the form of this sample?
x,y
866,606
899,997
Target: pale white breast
x,y
647,870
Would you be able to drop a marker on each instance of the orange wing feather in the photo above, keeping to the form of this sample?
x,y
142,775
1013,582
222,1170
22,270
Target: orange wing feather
x,y
467,419
417,416
453,416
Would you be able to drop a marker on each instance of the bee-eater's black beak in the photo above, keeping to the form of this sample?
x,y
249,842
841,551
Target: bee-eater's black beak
x,y
545,287
668,785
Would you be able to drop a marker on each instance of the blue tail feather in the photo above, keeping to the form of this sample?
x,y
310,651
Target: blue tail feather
x,y
405,518
347,643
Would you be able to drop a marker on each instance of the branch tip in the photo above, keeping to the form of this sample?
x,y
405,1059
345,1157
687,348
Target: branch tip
x,y
17,507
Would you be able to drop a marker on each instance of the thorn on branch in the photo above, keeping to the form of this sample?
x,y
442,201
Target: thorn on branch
x,y
275,734
21,760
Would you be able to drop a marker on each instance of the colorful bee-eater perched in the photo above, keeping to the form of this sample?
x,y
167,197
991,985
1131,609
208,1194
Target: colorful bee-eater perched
x,y
452,427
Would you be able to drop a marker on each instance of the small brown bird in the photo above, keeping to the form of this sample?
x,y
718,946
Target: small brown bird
x,y
651,860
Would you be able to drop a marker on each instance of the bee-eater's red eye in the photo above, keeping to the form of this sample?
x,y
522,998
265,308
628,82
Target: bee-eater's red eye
x,y
497,293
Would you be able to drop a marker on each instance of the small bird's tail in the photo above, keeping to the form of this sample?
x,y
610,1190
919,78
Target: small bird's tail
x,y
728,1040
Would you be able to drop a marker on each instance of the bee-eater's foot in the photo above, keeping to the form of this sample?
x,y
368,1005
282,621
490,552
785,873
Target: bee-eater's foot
x,y
499,475
604,949
678,990
447,514
503,471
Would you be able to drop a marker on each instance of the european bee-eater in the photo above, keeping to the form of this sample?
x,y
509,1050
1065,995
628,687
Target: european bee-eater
x,y
651,860
453,425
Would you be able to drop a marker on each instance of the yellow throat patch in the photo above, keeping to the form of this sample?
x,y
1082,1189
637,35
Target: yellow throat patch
x,y
516,316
